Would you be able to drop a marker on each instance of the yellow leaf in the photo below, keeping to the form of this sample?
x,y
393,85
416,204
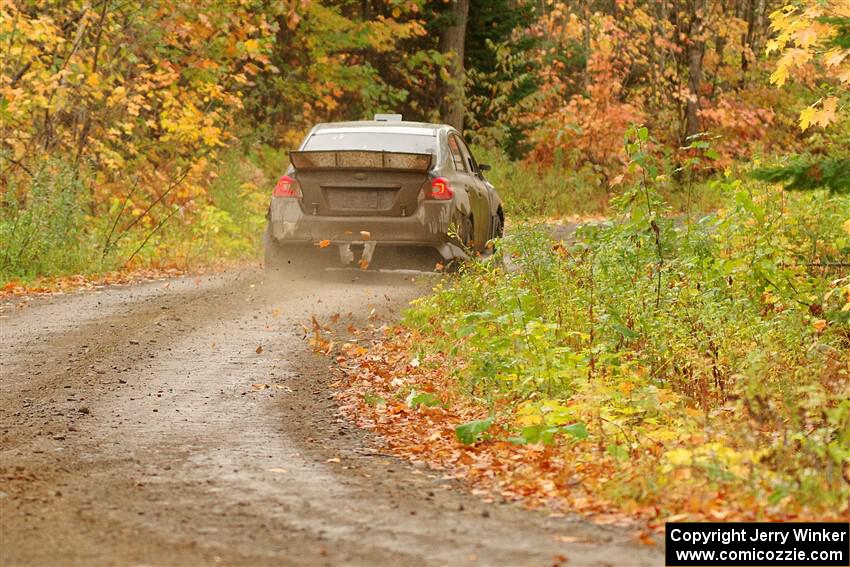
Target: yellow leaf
x,y
807,117
324,243
779,76
679,457
827,114
252,46
834,57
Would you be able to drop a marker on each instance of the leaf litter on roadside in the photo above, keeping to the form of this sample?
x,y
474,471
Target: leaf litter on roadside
x,y
415,405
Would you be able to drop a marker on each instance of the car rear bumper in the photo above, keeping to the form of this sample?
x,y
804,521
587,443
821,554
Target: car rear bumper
x,y
428,226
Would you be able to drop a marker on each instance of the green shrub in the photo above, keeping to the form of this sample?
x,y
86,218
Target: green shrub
x,y
656,331
42,226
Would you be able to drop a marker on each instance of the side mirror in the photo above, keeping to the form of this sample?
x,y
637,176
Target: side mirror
x,y
484,167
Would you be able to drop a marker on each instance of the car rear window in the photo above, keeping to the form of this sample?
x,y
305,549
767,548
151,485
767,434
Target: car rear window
x,y
371,141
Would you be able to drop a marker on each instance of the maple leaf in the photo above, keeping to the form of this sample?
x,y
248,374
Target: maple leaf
x,y
827,113
807,116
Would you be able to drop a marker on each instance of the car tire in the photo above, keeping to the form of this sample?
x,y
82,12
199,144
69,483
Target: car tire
x,y
498,227
498,230
294,261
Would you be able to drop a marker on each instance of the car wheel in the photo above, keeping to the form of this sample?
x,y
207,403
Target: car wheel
x,y
465,228
469,238
497,232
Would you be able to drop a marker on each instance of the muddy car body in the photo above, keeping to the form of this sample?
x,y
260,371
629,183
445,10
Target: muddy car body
x,y
354,188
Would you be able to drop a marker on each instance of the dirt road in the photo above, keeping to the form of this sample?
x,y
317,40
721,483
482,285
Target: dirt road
x,y
131,434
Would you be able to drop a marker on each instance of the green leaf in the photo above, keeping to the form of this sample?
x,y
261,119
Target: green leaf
x,y
470,432
618,452
577,430
539,434
415,399
466,331
373,400
625,331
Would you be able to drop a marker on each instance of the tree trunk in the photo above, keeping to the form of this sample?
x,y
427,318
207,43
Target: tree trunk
x,y
696,51
586,17
747,40
452,42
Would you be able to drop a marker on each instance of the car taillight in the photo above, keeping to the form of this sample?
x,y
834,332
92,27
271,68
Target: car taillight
x,y
287,187
439,190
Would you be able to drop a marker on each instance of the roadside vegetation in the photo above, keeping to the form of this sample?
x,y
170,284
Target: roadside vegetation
x,y
675,365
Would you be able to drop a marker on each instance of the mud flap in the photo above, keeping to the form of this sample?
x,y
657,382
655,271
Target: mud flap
x,y
285,215
346,254
451,251
368,250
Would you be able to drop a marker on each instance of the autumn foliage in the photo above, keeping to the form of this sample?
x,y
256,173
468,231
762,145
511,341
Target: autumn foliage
x,y
643,369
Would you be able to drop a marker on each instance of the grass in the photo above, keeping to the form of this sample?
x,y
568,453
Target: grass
x,y
533,192
60,222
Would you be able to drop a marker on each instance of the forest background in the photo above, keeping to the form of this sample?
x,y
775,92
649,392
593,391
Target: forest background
x,y
136,134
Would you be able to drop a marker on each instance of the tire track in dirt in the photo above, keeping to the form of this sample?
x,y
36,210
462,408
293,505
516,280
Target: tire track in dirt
x,y
178,459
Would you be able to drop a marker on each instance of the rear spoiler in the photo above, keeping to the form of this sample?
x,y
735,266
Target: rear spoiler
x,y
360,159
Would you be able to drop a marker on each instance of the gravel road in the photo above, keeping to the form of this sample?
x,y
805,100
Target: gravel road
x,y
136,428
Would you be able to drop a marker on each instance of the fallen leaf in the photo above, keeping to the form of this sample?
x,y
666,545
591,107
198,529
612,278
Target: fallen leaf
x,y
334,460
364,263
260,386
365,235
324,243
259,349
